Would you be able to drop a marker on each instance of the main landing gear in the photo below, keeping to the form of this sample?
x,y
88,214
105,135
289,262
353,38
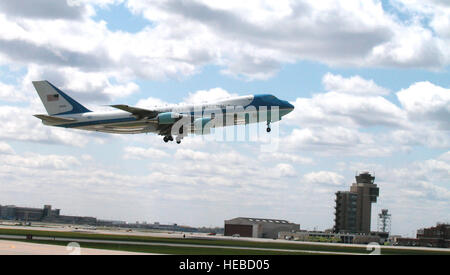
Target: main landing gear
x,y
167,139
170,138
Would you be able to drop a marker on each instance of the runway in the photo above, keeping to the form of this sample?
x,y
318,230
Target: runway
x,y
197,241
81,241
23,248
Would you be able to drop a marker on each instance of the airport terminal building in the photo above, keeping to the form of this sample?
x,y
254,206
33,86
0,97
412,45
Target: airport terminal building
x,y
258,228
45,214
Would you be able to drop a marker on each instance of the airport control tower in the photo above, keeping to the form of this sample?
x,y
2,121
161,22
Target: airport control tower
x,y
354,208
367,194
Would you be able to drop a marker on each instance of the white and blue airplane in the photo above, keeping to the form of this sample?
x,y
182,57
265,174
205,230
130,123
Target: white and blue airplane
x,y
168,121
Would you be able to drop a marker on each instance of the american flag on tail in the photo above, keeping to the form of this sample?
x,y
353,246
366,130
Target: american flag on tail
x,y
52,97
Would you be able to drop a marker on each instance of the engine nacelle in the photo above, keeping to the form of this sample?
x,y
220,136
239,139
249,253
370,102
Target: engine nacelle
x,y
168,118
202,126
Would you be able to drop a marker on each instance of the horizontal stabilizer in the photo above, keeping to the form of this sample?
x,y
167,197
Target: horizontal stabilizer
x,y
53,119
136,111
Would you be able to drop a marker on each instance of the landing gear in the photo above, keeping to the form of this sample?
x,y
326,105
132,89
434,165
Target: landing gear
x,y
179,136
268,127
167,139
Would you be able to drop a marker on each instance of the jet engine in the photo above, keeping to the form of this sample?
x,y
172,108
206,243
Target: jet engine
x,y
168,117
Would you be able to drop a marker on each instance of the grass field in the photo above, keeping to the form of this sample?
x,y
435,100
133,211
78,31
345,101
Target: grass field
x,y
160,245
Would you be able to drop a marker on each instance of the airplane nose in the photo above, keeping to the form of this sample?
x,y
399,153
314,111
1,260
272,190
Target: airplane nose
x,y
288,106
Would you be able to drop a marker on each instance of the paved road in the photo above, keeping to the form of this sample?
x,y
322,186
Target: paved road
x,y
23,248
81,241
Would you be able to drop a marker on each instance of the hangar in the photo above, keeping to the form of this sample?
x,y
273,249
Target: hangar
x,y
258,228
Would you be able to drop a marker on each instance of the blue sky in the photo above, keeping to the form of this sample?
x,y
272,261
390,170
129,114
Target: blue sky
x,y
369,80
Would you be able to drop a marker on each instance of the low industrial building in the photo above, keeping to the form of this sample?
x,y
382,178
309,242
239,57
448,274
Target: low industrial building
x,y
154,226
313,236
437,236
330,237
12,212
258,228
45,214
49,215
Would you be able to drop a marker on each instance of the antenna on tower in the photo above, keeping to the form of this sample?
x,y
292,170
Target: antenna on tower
x,y
384,221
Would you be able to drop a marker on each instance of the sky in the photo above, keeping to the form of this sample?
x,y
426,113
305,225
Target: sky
x,y
369,80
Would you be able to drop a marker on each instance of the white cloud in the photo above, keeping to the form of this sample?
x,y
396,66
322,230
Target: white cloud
x,y
44,9
434,13
187,154
324,178
427,179
426,101
150,103
25,127
285,170
441,22
211,95
421,134
432,191
350,102
279,156
251,39
413,47
337,120
352,85
197,97
9,93
37,161
329,141
142,153
445,157
339,33
5,149
87,158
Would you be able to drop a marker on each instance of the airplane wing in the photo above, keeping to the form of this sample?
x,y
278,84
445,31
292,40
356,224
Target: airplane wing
x,y
137,111
53,119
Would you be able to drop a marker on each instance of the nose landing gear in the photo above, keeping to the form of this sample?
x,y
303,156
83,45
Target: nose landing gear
x,y
179,138
268,127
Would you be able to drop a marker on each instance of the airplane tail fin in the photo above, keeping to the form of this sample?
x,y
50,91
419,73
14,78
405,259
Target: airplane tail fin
x,y
57,102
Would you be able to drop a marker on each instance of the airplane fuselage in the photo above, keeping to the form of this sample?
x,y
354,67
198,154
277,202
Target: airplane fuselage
x,y
161,120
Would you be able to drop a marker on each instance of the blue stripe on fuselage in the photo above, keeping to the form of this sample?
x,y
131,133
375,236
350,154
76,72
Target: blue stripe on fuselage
x,y
97,122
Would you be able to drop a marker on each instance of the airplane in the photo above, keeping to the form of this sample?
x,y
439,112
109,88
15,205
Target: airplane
x,y
167,121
